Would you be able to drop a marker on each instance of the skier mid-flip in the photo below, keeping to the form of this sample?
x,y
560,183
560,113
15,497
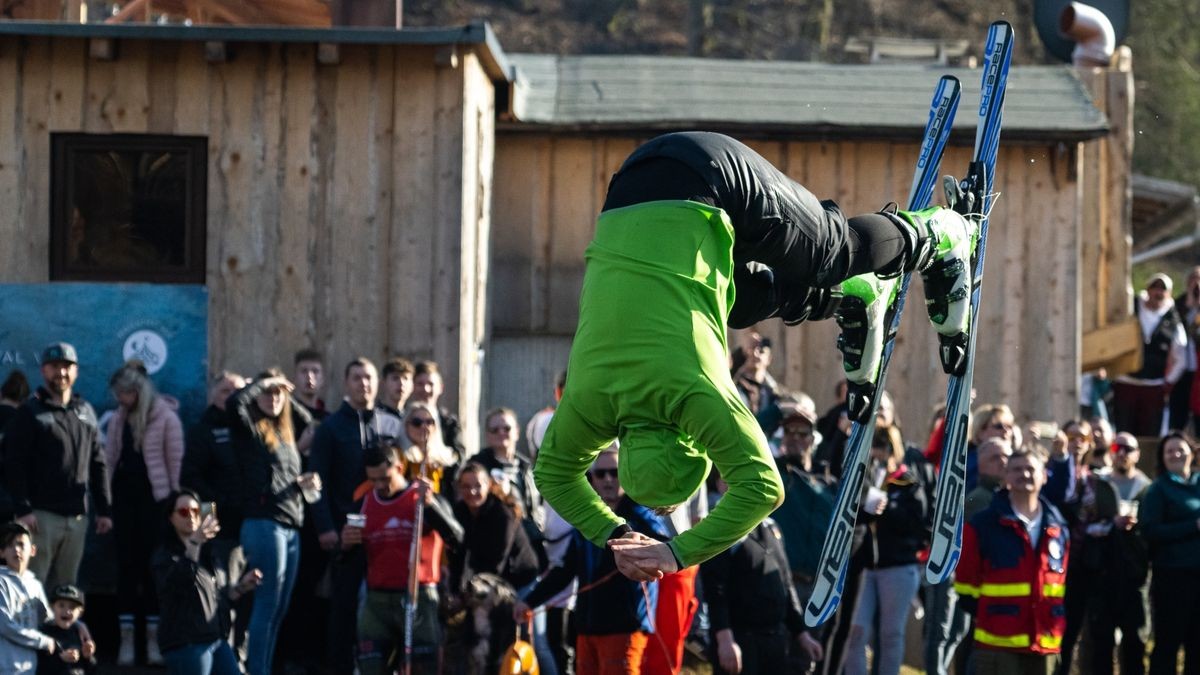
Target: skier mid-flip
x,y
689,219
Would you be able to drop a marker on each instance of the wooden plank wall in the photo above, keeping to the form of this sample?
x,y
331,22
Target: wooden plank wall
x,y
1108,199
550,188
348,204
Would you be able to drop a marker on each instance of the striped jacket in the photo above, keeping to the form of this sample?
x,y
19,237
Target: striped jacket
x,y
162,445
1016,592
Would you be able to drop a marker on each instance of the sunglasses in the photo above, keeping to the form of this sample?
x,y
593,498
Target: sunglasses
x,y
1000,426
601,474
498,429
802,433
188,511
418,422
1124,448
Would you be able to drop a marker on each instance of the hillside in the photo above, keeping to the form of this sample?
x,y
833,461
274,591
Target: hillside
x,y
753,29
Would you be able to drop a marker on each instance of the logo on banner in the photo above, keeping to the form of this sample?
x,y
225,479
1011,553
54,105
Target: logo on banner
x,y
148,347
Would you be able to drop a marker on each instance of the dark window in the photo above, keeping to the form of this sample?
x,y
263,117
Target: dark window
x,y
128,207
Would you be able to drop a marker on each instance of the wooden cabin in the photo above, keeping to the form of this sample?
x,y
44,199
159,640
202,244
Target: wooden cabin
x,y
1057,261
337,181
418,192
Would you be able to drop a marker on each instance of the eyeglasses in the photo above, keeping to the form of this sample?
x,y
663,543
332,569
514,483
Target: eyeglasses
x,y
601,474
498,429
419,422
1124,448
1077,437
1000,426
187,511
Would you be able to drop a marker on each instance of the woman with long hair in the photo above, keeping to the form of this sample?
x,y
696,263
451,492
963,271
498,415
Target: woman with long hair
x,y
894,517
144,449
1169,519
196,591
265,420
424,436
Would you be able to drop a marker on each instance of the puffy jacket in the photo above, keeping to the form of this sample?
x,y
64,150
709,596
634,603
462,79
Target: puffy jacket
x,y
162,445
1015,592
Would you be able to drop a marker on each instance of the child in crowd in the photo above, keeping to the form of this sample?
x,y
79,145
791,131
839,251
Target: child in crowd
x,y
64,627
22,604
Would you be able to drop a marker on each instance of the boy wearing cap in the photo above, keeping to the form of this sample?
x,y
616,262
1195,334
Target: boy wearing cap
x,y
52,461
78,651
1141,397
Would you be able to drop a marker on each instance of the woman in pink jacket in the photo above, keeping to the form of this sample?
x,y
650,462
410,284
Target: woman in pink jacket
x,y
145,452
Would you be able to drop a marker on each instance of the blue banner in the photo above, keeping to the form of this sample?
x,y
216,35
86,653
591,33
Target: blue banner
x,y
163,325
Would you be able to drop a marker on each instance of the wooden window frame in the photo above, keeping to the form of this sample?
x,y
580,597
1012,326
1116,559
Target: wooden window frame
x,y
62,147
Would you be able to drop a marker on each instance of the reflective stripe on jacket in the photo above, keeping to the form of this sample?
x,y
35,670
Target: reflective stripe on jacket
x,y
1017,592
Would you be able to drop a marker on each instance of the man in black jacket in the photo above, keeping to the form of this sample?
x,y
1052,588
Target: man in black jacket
x,y
52,460
427,388
337,456
210,466
753,608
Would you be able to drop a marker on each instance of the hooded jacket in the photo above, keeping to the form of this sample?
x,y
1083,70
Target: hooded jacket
x,y
23,608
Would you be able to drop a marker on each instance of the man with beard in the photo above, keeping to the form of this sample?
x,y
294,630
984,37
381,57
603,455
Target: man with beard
x,y
52,460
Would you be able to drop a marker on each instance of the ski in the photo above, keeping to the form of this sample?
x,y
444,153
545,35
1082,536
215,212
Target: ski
x,y
952,478
831,571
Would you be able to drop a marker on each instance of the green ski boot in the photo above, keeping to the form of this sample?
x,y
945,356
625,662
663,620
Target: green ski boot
x,y
865,316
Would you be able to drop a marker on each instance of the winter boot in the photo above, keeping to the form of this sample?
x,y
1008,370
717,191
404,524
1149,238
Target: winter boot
x,y
126,654
864,315
153,655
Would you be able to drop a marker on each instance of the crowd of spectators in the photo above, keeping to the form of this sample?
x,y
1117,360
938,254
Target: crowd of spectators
x,y
279,535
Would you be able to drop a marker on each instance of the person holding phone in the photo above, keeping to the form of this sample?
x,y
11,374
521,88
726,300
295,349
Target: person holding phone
x,y
196,589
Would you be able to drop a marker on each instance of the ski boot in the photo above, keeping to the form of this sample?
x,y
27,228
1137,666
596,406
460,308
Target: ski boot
x,y
953,234
865,316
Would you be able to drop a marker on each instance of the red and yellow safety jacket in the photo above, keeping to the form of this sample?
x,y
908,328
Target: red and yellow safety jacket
x,y
1015,592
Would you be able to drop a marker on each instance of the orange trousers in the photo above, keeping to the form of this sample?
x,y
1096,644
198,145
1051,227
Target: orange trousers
x,y
677,605
619,654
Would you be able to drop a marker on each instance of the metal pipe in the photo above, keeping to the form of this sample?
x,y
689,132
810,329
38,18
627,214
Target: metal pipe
x,y
1095,39
1164,248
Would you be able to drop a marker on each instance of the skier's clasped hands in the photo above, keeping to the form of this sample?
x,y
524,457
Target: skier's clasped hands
x,y
641,558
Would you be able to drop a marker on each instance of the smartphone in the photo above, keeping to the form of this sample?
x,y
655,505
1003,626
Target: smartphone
x,y
208,509
1045,431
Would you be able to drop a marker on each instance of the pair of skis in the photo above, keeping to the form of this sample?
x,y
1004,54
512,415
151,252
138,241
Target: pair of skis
x,y
948,511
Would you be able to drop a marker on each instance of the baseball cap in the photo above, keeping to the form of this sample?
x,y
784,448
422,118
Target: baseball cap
x,y
69,593
59,351
1162,279
801,408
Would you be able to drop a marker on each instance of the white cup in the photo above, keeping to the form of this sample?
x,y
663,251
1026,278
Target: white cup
x,y
874,498
356,520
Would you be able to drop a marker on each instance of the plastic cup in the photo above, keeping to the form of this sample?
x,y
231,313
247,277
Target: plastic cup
x,y
356,520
